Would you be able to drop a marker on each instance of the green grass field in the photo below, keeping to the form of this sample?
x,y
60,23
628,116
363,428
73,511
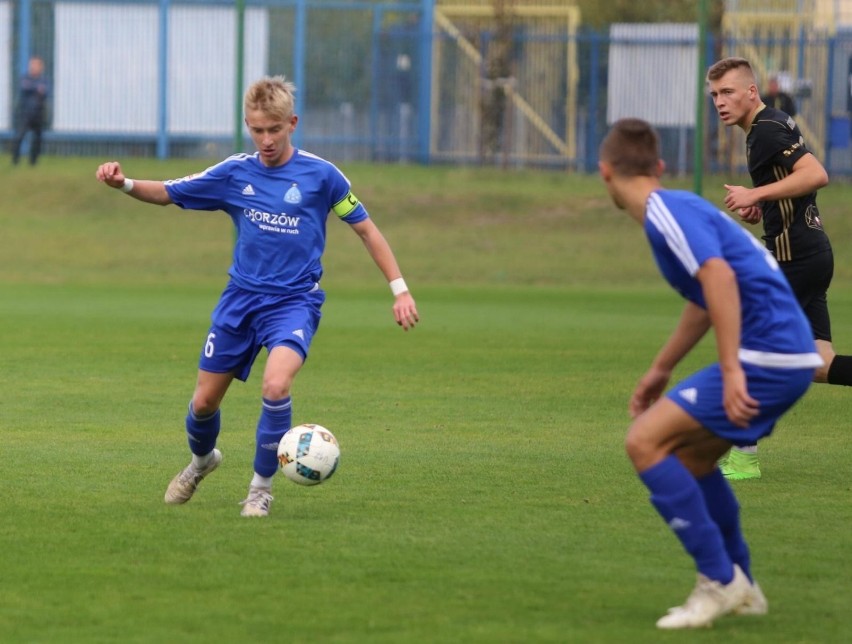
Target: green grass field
x,y
483,493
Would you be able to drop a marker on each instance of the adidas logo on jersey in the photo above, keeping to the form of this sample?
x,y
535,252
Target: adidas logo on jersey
x,y
689,395
299,333
248,190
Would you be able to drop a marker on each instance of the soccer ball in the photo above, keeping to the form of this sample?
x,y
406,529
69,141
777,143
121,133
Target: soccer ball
x,y
308,454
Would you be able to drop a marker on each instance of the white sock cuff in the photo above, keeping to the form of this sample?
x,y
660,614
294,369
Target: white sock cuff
x,y
200,462
261,481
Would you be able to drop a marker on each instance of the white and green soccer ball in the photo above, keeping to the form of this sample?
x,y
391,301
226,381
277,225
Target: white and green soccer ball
x,y
308,454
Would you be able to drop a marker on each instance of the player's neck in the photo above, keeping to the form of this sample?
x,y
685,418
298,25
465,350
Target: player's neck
x,y
745,124
636,193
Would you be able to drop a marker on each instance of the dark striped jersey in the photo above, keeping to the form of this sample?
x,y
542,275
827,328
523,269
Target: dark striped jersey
x,y
792,227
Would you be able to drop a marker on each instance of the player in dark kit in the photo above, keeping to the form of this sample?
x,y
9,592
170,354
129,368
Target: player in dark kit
x,y
786,177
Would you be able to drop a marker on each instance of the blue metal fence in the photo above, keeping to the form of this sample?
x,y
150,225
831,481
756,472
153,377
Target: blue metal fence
x,y
164,78
159,77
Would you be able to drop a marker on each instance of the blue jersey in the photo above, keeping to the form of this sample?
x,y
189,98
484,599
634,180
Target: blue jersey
x,y
685,231
280,214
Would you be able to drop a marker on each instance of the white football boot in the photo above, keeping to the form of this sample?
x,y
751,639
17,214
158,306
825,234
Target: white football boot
x,y
257,503
183,485
707,601
755,602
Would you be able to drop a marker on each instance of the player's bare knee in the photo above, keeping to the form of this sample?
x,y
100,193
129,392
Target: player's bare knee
x,y
276,388
639,450
204,405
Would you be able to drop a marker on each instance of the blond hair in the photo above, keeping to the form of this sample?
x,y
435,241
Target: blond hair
x,y
272,95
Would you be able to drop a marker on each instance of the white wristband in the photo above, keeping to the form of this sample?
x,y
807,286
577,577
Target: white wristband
x,y
128,185
398,286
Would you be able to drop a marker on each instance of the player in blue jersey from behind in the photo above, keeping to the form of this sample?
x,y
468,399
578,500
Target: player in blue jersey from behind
x,y
279,199
767,359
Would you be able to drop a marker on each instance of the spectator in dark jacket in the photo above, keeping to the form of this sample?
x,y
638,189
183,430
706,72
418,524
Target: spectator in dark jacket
x,y
774,97
32,109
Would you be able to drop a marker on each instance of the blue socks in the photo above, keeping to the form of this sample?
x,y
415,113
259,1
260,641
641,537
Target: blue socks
x,y
202,432
725,511
275,419
678,498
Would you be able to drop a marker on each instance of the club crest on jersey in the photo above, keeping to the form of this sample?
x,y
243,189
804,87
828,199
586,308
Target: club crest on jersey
x,y
812,217
293,195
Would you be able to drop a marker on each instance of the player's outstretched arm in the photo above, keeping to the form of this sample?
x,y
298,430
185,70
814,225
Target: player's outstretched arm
x,y
404,307
153,192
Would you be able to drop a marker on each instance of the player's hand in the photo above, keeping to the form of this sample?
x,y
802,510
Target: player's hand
x,y
739,197
648,390
110,173
405,311
739,406
751,215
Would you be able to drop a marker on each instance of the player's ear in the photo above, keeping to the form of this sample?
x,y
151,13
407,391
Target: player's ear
x,y
661,167
605,170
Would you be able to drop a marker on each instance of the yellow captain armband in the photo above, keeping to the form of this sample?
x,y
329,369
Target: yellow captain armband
x,y
346,205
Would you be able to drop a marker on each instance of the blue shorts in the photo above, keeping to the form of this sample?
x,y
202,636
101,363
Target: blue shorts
x,y
776,390
244,321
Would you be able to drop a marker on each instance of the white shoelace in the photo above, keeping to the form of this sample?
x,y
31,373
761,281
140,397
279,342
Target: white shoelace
x,y
258,497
